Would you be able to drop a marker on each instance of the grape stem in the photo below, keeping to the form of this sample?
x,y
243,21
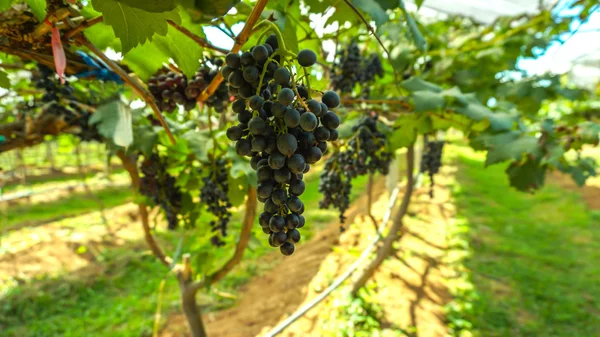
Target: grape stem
x,y
264,71
200,41
296,91
239,42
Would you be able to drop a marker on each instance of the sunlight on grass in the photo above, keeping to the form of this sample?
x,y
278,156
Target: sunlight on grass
x,y
534,262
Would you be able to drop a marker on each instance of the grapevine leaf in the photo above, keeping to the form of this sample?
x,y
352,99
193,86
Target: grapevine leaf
x,y
554,155
374,10
197,141
209,9
428,101
154,6
513,150
414,29
417,84
317,6
345,129
134,26
388,4
286,23
419,3
528,176
38,7
101,35
402,137
478,112
342,13
408,128
4,81
589,132
584,169
242,168
144,139
4,4
113,121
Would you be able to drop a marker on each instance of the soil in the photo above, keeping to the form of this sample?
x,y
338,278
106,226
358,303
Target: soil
x,y
410,287
590,192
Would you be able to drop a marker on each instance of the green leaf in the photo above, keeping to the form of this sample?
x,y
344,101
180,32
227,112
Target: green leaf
x,y
589,132
197,143
513,150
4,81
237,189
154,6
144,139
478,112
372,8
209,9
414,29
388,4
113,121
38,7
428,101
417,84
134,26
285,20
583,169
419,3
242,168
4,4
528,176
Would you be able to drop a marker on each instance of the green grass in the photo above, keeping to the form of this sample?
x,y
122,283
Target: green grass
x,y
535,259
41,182
74,204
122,301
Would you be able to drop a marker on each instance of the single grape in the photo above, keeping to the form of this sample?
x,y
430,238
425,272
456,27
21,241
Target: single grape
x,y
287,249
287,144
282,76
308,121
307,58
286,96
234,133
291,117
260,54
233,60
293,236
331,120
331,99
276,160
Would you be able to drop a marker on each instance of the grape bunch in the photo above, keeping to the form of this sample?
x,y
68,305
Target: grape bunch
x,y
282,129
431,161
214,195
59,99
170,89
347,69
159,186
364,153
351,68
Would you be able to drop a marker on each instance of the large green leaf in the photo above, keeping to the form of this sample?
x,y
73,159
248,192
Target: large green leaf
x,y
285,18
155,6
134,26
501,150
197,141
418,84
209,9
38,7
528,176
147,59
4,81
374,10
113,121
241,168
4,4
415,33
428,101
589,132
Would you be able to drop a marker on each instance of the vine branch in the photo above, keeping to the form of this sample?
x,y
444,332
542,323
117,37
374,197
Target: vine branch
x,y
242,243
84,25
239,42
200,41
131,168
140,90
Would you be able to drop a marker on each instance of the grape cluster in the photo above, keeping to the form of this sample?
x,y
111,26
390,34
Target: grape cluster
x,y
281,129
160,187
214,195
59,99
171,89
351,68
364,153
431,161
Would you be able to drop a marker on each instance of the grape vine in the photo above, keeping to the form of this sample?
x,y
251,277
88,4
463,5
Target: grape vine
x,y
160,187
364,153
431,161
281,128
171,89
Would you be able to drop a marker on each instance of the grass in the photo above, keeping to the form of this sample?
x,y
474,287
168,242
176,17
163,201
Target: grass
x,y
122,301
44,181
534,259
74,204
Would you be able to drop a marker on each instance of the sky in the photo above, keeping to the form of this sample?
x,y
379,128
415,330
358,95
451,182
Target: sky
x,y
557,59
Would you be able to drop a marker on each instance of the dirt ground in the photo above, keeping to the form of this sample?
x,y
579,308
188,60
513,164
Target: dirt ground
x,y
590,191
410,287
